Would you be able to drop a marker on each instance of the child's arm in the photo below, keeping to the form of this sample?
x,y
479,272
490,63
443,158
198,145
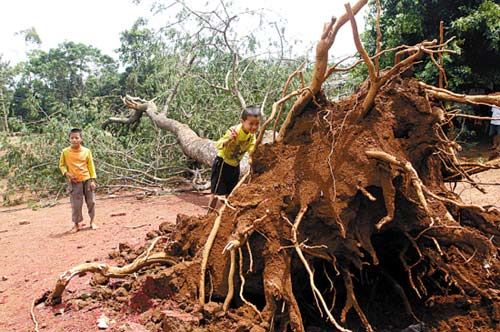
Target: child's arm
x,y
90,165
64,168
229,136
62,164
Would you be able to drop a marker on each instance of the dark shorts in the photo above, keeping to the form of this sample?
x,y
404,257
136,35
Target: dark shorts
x,y
494,130
224,177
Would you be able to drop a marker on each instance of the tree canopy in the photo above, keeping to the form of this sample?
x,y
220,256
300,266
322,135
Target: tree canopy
x,y
475,24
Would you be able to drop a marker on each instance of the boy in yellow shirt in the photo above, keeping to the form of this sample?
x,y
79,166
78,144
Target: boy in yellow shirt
x,y
231,147
77,165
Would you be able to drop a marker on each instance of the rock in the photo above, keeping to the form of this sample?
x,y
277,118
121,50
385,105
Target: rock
x,y
99,279
124,247
121,292
24,222
103,322
165,227
4,278
151,235
210,309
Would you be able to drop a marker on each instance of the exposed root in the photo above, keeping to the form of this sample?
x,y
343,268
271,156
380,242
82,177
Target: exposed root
x,y
412,173
250,257
33,317
351,301
389,193
230,281
206,252
145,259
366,193
316,292
461,98
242,286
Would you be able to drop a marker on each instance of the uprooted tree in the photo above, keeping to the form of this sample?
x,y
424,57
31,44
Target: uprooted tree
x,y
344,220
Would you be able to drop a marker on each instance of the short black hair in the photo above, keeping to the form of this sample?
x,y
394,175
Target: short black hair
x,y
75,130
250,111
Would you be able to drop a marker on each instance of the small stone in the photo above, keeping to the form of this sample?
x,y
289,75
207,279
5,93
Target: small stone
x,y
24,222
124,247
151,235
121,292
4,278
165,227
99,279
103,322
211,308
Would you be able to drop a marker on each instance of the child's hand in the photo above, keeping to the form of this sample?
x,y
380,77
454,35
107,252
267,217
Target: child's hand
x,y
70,177
93,186
234,134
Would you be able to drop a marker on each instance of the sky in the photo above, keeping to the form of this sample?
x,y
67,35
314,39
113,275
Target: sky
x,y
99,22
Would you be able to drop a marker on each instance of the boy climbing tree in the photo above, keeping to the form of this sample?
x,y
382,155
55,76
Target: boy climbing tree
x,y
231,147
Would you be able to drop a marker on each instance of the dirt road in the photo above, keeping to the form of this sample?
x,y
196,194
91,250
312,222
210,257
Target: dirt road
x,y
35,248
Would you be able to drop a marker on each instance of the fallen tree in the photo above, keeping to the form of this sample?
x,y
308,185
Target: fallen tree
x,y
344,222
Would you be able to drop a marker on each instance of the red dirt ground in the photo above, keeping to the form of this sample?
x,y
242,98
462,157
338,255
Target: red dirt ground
x,y
33,255
35,248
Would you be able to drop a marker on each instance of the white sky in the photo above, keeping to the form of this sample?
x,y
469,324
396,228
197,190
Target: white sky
x,y
99,22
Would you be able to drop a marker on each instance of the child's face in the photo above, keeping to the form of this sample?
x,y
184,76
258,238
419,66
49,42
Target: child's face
x,y
250,124
75,139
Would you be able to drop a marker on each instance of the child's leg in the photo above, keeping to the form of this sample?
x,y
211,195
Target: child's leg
x,y
90,201
217,184
76,199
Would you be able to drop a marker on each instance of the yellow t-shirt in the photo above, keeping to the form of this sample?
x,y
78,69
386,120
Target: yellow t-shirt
x,y
233,151
77,162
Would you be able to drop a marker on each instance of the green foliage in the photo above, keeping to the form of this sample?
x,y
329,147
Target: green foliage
x,y
75,85
30,36
475,24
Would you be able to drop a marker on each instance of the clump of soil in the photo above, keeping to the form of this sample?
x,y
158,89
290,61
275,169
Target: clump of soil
x,y
364,201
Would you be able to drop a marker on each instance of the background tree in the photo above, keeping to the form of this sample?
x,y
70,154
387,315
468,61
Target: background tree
x,y
476,25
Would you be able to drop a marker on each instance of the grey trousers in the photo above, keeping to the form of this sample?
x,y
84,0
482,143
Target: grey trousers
x,y
77,192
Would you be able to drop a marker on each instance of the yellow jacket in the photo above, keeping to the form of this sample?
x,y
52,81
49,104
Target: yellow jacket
x,y
77,162
232,151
